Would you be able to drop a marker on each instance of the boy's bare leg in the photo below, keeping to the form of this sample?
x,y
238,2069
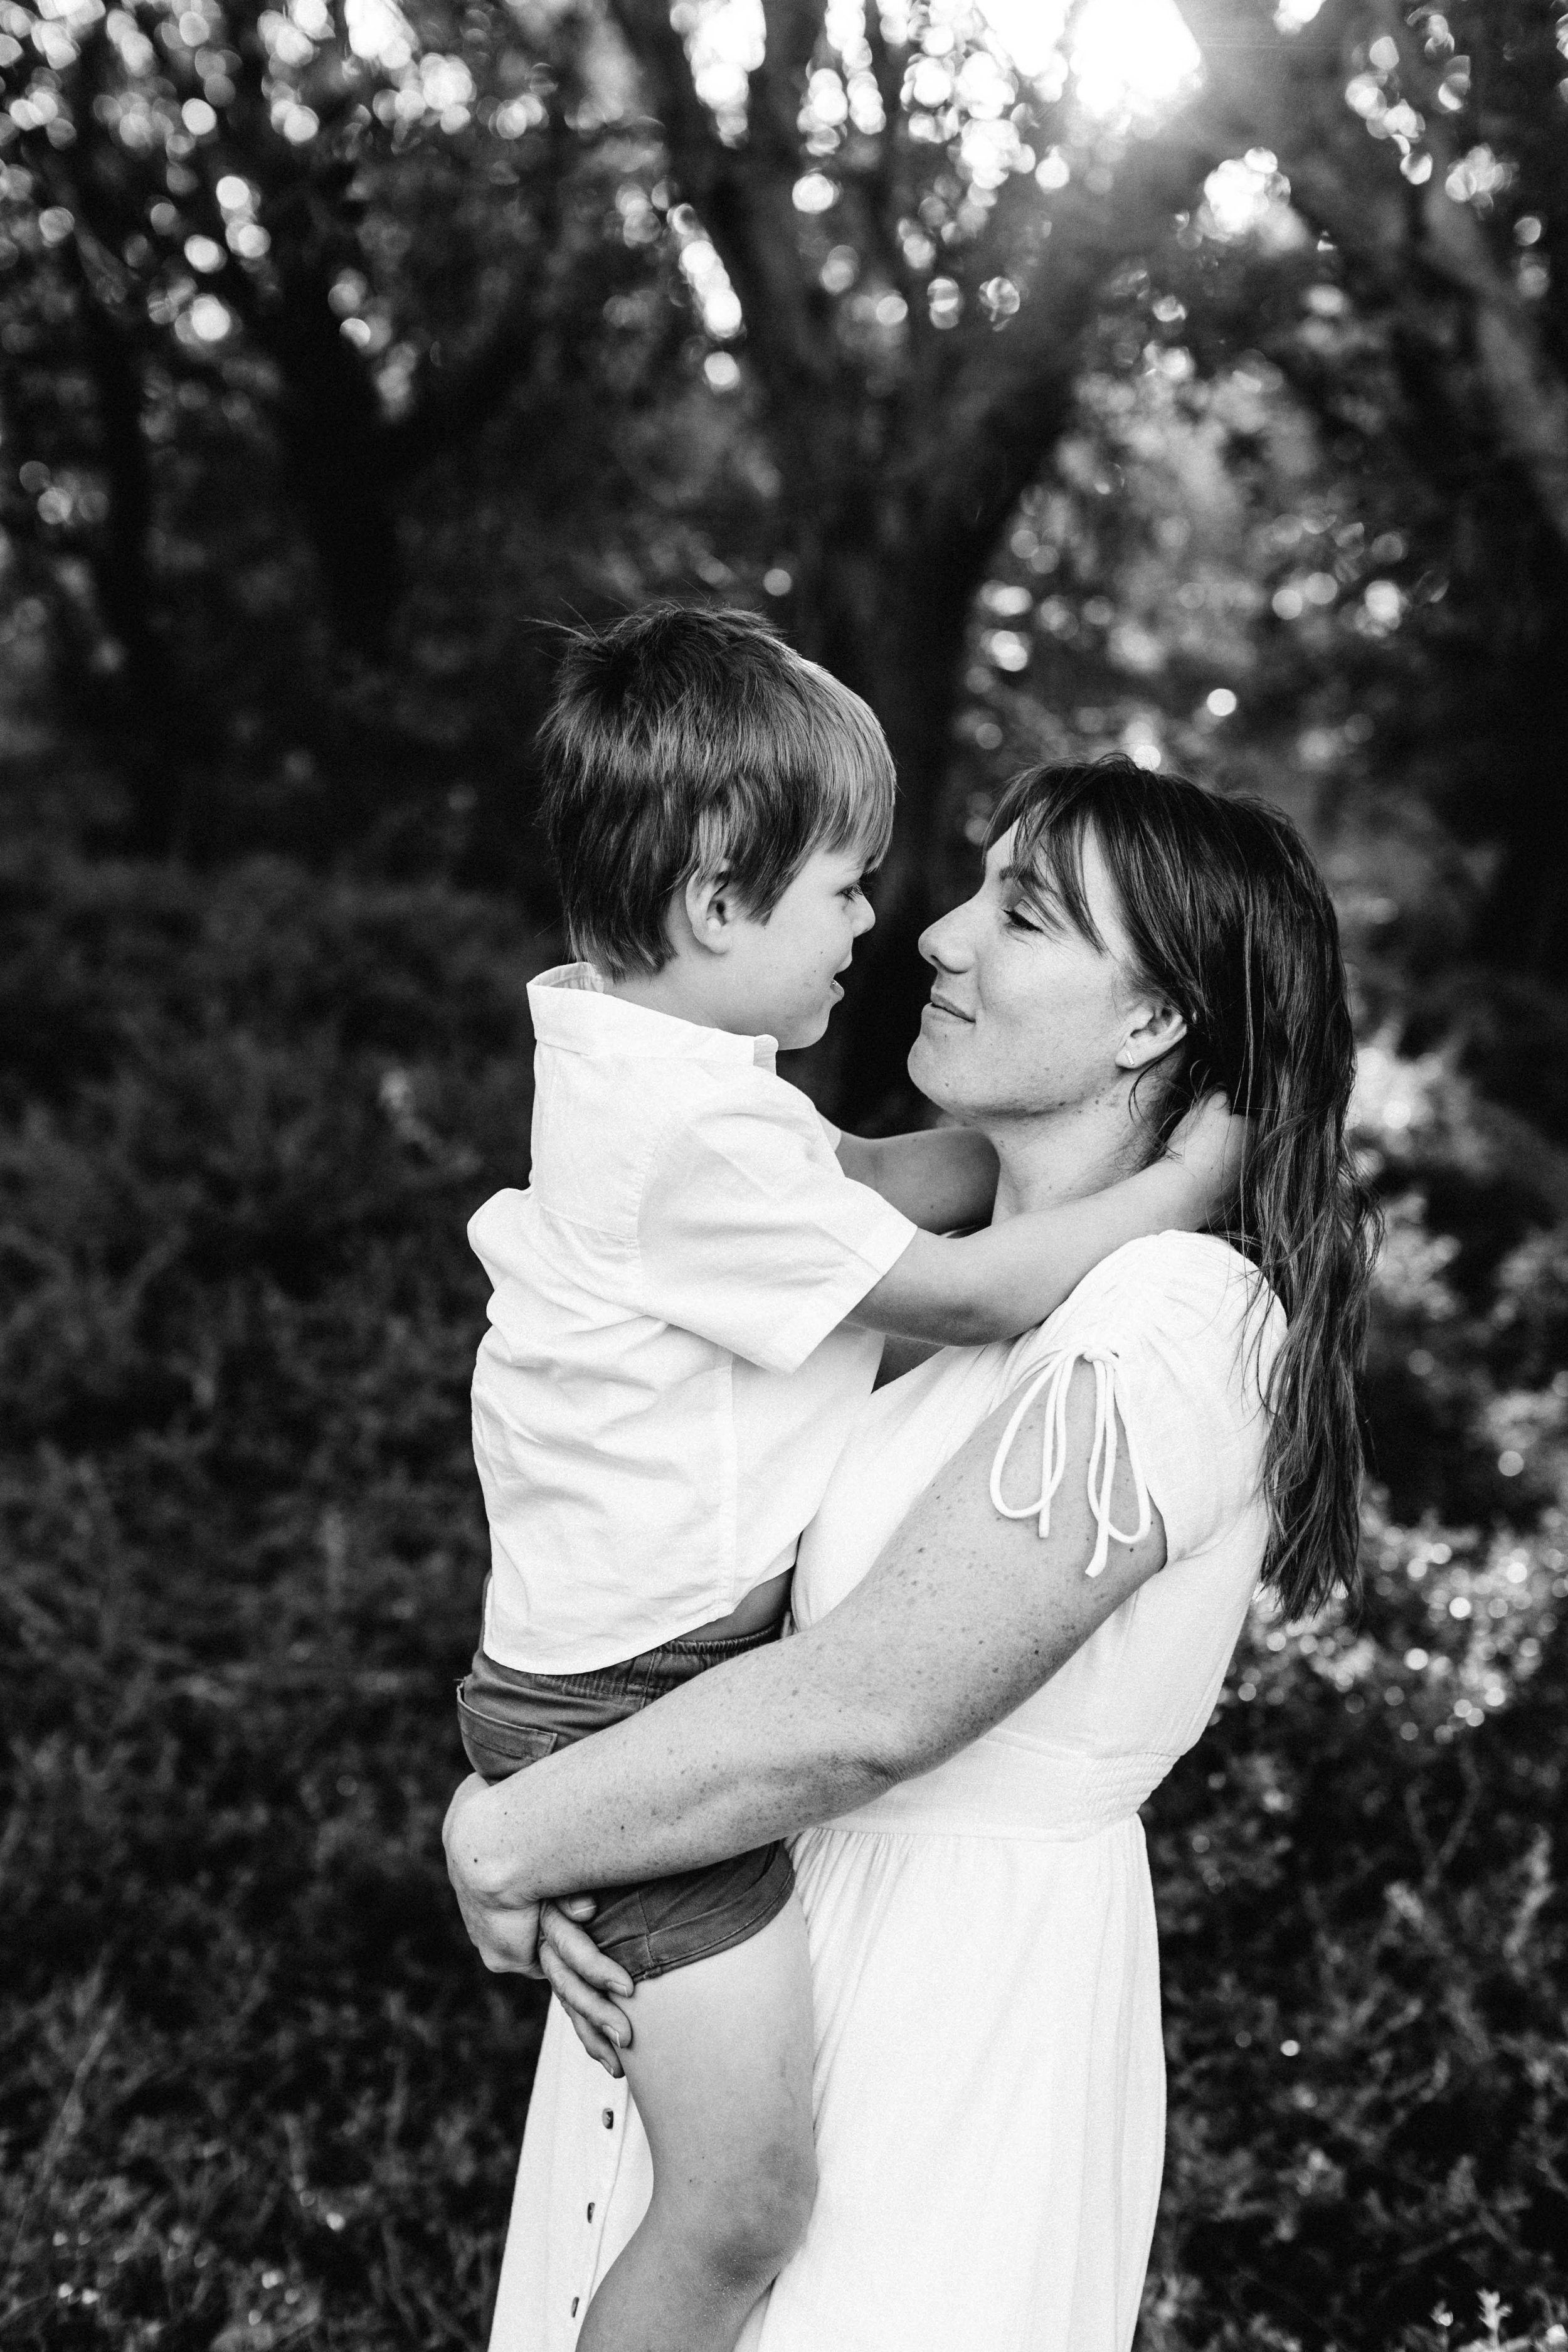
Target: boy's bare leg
x,y
720,2067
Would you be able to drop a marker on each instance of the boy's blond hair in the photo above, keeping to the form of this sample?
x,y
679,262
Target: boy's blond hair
x,y
682,740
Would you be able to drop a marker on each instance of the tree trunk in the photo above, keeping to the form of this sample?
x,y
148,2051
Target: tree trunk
x,y
1521,796
334,436
892,627
146,707
899,468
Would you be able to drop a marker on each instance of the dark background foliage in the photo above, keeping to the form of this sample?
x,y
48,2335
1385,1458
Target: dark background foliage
x,y
1061,395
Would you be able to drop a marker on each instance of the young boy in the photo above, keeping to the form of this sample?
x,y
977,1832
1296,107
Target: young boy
x,y
687,1307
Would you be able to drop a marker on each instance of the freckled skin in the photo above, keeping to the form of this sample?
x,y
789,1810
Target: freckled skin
x,y
1027,1021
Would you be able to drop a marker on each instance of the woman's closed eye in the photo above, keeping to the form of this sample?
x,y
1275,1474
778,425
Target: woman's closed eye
x,y
1033,910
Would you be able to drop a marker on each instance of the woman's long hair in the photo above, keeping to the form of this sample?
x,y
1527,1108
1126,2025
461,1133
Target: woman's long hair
x,y
1228,917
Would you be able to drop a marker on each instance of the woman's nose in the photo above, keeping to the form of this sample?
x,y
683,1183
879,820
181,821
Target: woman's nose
x,y
941,942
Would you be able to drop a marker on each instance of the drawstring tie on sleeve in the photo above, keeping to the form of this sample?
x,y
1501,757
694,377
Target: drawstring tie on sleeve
x,y
1056,1378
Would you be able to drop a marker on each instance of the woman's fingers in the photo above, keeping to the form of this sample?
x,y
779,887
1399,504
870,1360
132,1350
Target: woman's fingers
x,y
589,2012
594,2043
576,1947
583,1980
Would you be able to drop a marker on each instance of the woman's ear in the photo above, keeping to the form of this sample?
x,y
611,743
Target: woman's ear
x,y
1155,1026
708,904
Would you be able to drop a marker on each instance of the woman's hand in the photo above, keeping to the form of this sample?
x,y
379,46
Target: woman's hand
x,y
961,1619
582,1980
518,1936
502,1928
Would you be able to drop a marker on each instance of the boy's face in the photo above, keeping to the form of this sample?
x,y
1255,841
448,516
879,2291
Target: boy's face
x,y
782,971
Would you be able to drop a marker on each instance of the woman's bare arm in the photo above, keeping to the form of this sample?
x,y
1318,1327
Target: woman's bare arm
x,y
962,1617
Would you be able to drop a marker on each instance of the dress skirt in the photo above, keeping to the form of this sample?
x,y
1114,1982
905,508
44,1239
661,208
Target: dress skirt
x,y
989,2110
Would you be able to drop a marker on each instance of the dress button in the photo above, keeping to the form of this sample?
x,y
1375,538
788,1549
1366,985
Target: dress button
x,y
608,2119
590,2212
575,2301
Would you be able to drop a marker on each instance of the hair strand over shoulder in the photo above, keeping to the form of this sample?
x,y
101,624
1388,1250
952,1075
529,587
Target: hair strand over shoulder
x,y
1228,916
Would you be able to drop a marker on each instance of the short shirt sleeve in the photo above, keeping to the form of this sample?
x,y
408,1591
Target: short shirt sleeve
x,y
1180,1336
749,1233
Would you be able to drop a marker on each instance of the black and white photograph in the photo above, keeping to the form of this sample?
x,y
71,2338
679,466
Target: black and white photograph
x,y
783,1175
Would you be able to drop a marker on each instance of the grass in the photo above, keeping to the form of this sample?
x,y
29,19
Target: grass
x,y
254,2090
249,2066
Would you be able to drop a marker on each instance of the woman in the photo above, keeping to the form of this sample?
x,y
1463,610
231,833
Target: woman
x,y
995,1670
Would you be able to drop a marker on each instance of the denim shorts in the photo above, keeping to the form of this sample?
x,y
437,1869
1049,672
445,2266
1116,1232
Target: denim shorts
x,y
510,1719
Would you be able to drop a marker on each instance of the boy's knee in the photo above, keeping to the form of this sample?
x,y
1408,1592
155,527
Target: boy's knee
x,y
756,2222
790,2194
764,2226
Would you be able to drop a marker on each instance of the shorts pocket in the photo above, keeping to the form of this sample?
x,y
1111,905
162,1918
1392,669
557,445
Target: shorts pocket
x,y
496,1749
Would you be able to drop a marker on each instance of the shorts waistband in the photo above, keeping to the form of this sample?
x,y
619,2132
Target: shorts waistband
x,y
730,1646
638,1679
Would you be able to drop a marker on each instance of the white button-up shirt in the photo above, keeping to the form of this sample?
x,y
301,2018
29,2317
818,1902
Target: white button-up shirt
x,y
665,1388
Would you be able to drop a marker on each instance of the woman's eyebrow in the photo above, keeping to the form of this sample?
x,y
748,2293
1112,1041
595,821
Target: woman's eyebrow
x,y
1051,902
1036,887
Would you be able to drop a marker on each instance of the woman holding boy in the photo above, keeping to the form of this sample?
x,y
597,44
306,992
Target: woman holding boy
x,y
994,1670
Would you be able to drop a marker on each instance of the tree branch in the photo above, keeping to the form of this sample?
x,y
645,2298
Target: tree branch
x,y
1404,241
1015,391
745,195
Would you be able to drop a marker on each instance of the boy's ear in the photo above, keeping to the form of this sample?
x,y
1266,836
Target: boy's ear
x,y
1155,1026
711,908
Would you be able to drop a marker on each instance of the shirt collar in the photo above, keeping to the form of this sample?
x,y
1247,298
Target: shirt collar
x,y
572,1009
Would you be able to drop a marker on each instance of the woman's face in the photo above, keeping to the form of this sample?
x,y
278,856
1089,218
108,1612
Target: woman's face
x,y
1025,1018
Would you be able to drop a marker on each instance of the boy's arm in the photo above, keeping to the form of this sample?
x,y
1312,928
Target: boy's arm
x,y
997,1284
943,1180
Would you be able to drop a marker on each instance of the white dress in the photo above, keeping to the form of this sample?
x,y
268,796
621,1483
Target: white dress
x,y
989,2078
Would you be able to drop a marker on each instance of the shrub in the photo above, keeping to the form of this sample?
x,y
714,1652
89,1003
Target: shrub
x,y
254,2090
